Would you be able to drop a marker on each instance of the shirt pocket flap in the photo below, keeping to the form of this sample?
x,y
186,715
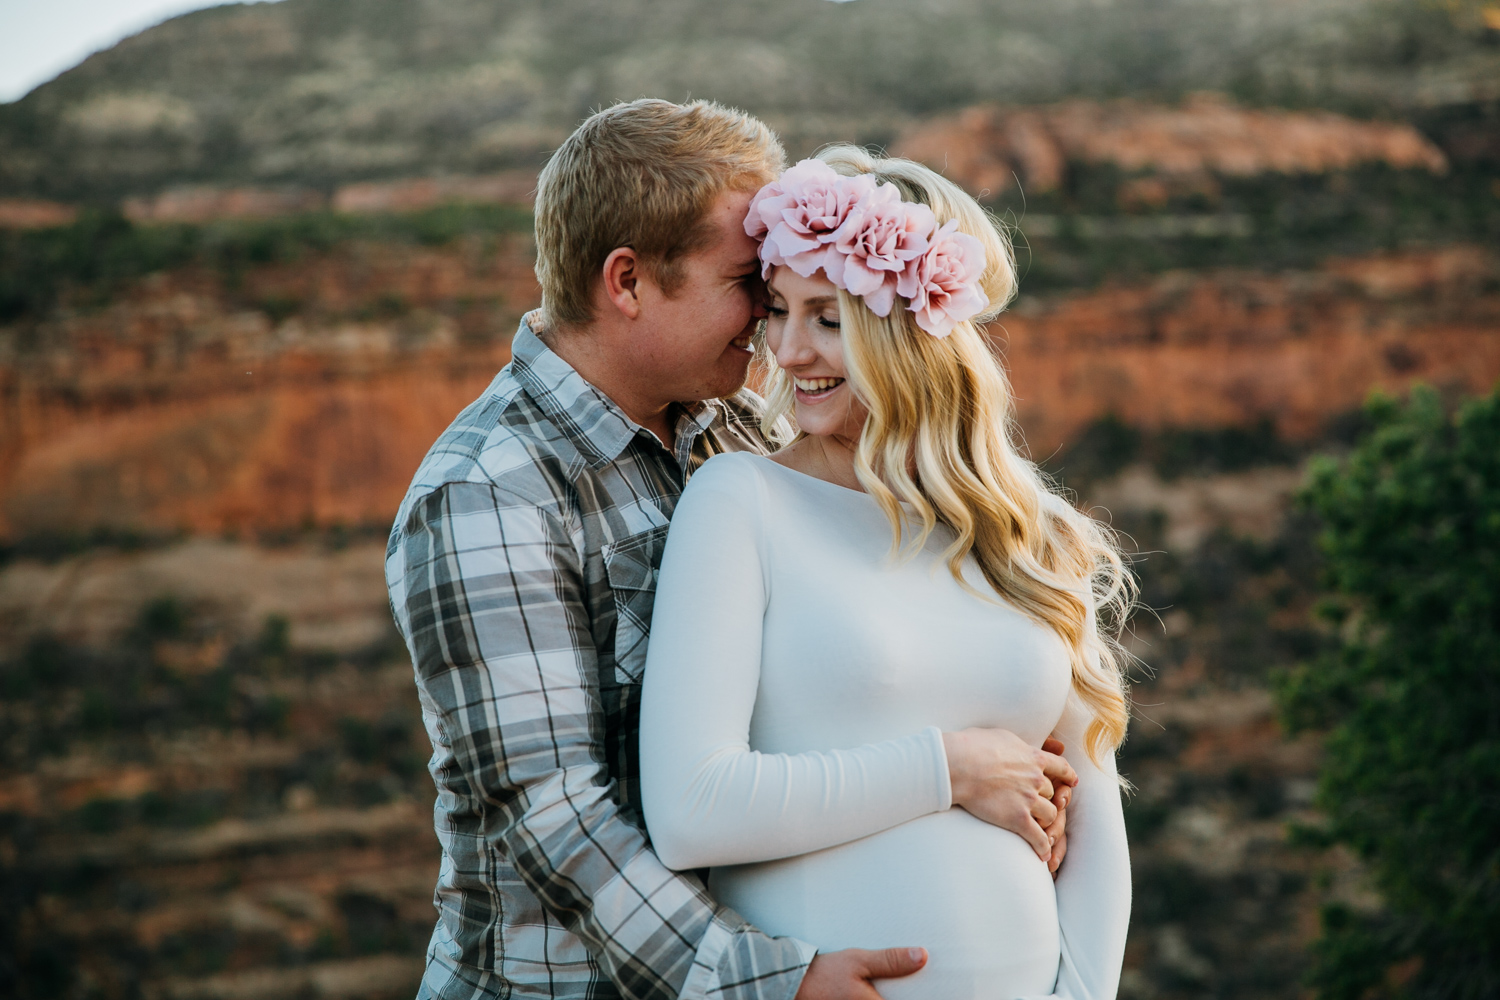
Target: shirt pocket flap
x,y
632,565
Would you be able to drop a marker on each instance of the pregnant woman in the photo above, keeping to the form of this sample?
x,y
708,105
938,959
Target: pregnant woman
x,y
831,619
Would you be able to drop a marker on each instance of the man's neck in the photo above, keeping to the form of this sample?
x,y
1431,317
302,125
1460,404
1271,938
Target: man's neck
x,y
601,370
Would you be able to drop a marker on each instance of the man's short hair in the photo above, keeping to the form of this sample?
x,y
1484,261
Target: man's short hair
x,y
642,175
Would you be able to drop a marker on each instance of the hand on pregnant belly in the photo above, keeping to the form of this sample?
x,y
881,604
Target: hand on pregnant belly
x,y
847,974
1000,778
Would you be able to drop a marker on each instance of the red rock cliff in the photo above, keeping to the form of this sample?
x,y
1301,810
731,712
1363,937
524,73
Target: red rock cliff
x,y
985,148
1206,350
174,408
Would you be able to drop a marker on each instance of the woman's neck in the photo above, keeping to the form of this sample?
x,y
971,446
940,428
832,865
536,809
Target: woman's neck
x,y
828,457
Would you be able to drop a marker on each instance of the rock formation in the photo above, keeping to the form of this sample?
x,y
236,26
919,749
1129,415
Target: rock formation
x,y
1233,348
307,395
986,148
177,409
34,213
206,202
318,93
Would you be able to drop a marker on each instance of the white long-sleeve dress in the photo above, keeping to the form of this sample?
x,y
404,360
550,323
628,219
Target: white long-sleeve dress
x,y
796,688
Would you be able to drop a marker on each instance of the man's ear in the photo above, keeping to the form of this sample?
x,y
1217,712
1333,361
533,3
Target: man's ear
x,y
622,281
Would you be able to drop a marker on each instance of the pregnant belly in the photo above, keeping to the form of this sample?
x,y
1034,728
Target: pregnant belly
x,y
976,897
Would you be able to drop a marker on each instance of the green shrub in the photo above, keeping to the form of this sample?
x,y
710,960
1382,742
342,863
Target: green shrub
x,y
1411,700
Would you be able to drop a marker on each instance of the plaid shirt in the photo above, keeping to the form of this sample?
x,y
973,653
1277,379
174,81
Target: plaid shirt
x,y
522,570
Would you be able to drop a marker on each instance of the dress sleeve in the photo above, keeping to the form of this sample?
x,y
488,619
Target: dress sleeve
x,y
709,799
1093,885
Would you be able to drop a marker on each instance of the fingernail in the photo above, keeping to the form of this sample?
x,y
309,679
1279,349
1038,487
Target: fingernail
x,y
916,954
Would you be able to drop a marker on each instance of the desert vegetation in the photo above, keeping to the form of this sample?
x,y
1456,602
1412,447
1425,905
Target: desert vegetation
x,y
1407,694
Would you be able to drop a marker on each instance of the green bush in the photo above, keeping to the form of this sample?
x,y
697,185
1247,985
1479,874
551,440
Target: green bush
x,y
1411,700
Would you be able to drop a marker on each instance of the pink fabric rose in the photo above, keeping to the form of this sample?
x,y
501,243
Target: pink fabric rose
x,y
796,216
870,243
877,242
943,283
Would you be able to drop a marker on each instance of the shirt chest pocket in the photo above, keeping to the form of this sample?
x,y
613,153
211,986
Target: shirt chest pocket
x,y
632,565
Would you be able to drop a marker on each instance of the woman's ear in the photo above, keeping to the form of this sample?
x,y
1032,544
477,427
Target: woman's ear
x,y
622,279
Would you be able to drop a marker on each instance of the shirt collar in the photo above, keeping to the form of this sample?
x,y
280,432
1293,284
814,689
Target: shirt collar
x,y
693,421
595,424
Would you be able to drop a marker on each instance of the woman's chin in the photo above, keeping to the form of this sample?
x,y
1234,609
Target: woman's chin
x,y
825,421
813,424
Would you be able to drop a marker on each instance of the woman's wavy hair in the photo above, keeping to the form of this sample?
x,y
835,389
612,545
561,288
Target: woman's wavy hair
x,y
939,438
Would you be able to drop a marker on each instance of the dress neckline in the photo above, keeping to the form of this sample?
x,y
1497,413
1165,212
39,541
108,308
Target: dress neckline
x,y
803,475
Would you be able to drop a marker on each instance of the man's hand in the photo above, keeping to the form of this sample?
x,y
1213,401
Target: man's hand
x,y
846,975
1008,783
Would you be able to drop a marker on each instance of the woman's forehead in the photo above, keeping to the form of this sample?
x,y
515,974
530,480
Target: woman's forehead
x,y
789,284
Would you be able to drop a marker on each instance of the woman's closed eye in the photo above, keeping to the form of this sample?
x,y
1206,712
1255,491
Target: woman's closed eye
x,y
781,311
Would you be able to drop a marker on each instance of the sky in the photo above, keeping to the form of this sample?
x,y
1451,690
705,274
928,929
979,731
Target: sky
x,y
41,38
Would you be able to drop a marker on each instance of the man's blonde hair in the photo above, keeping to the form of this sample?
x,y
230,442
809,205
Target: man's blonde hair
x,y
642,175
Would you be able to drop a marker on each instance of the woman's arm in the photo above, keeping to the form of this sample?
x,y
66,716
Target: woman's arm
x,y
708,798
1093,886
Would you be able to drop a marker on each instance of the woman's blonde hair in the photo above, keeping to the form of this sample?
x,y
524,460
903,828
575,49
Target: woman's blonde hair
x,y
939,438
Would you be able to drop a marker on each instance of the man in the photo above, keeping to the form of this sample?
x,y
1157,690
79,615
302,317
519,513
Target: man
x,y
522,572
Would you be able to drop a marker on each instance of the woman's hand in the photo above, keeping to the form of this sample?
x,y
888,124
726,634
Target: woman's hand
x,y
1057,832
1003,780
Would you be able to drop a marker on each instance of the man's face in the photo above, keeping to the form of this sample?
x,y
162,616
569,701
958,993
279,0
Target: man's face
x,y
699,338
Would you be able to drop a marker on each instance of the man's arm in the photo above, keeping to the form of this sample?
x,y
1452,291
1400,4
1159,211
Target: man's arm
x,y
499,630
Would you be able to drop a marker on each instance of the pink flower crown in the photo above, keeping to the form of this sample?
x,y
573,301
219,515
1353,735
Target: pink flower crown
x,y
870,243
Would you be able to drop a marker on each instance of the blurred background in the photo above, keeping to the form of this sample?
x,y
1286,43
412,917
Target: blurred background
x,y
253,260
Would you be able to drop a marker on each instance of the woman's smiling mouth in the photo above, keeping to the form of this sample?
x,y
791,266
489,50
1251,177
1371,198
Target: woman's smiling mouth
x,y
812,390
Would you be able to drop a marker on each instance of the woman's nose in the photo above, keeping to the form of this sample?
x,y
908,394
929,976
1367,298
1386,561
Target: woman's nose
x,y
794,347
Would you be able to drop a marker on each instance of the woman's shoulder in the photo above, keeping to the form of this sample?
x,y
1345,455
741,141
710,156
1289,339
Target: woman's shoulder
x,y
729,469
735,478
727,494
757,485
